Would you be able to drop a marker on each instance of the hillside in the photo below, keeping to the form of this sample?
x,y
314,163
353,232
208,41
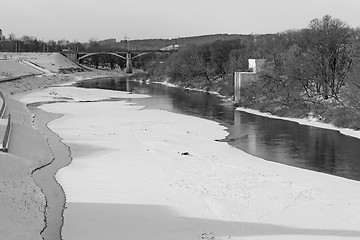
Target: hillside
x,y
155,44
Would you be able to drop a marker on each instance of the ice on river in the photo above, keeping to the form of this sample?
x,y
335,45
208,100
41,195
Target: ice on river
x,y
151,174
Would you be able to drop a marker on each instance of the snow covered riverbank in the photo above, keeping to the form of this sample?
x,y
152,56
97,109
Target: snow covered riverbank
x,y
150,174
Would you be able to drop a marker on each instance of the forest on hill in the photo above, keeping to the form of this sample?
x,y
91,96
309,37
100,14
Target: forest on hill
x,y
32,44
155,44
311,72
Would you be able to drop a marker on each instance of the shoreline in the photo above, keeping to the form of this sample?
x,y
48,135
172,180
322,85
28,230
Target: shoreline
x,y
304,121
69,82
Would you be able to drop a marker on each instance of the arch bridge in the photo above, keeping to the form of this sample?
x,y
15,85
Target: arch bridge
x,y
77,56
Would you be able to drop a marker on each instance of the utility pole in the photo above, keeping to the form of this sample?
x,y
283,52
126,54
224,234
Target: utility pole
x,y
127,43
128,56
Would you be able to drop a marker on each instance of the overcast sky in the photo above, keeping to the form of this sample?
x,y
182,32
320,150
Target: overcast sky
x,y
81,20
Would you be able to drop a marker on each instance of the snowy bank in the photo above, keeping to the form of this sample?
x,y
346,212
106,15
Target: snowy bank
x,y
151,174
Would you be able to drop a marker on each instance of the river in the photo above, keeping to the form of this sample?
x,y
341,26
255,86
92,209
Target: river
x,y
277,140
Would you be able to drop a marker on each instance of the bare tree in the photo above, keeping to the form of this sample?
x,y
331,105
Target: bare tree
x,y
328,48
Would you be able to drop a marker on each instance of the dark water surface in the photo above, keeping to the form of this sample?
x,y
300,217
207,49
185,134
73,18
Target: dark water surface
x,y
276,140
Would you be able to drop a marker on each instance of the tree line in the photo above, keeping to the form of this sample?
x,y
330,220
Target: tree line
x,y
32,44
313,71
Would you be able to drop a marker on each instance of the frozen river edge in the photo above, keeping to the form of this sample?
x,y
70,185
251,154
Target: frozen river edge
x,y
218,190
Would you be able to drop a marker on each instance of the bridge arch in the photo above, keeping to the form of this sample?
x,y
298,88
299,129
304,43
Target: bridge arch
x,y
101,53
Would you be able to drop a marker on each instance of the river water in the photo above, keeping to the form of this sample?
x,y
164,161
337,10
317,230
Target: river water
x,y
276,140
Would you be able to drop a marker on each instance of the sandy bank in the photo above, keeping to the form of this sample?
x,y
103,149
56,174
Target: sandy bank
x,y
129,179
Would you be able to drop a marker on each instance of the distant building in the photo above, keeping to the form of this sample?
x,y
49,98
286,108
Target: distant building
x,y
242,79
171,47
256,65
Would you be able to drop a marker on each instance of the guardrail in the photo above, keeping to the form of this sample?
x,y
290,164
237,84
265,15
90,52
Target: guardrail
x,y
5,144
3,107
6,139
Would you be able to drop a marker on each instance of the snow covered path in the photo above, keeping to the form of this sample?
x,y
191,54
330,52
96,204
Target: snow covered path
x,y
152,174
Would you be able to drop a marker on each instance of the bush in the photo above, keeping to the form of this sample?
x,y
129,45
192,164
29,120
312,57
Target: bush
x,y
342,117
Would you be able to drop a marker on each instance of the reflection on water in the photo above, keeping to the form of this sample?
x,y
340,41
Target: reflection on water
x,y
272,139
297,145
